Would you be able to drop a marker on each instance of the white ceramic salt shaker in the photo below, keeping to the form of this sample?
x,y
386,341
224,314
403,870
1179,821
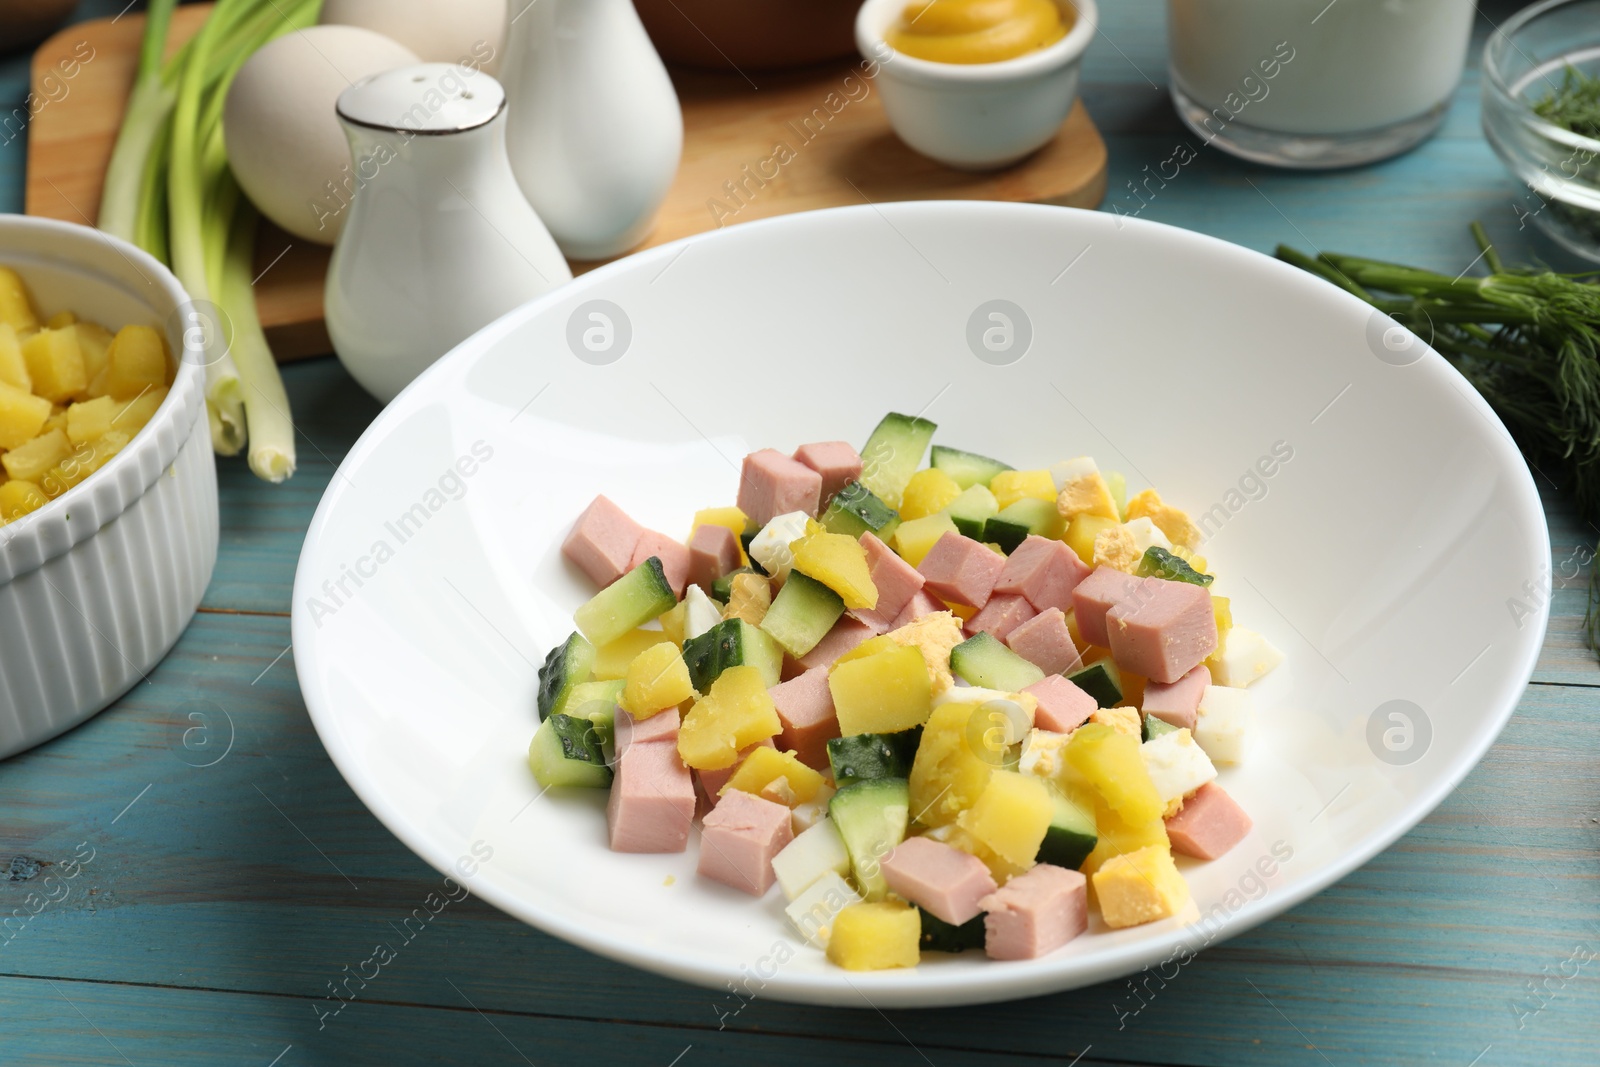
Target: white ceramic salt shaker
x,y
595,132
440,241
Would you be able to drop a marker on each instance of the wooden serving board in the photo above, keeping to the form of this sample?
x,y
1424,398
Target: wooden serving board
x,y
840,151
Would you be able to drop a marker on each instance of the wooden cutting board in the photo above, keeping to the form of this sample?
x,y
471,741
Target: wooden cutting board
x,y
843,152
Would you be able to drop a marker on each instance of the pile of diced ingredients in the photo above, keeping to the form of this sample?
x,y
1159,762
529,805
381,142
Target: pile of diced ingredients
x,y
942,708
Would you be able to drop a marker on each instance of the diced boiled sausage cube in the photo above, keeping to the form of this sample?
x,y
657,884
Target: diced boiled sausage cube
x,y
662,726
1045,571
836,461
846,634
960,570
1045,642
1102,590
1035,913
1210,823
602,541
1063,707
1177,702
772,484
738,839
674,557
896,580
922,603
1001,616
1162,631
652,802
939,879
713,552
805,707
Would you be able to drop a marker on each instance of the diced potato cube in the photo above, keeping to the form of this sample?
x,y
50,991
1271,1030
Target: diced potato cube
x,y
90,419
1118,836
611,660
132,415
60,320
840,563
915,539
734,715
94,341
22,416
1009,487
876,937
83,461
657,679
881,693
1140,887
1111,763
1083,531
55,363
929,491
32,461
16,309
17,498
673,621
765,766
749,598
13,368
136,361
1011,816
947,775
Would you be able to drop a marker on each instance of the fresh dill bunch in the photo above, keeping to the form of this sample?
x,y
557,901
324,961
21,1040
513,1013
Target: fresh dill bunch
x,y
1575,105
1527,339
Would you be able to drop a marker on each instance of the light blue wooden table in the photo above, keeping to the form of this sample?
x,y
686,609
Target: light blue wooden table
x,y
223,903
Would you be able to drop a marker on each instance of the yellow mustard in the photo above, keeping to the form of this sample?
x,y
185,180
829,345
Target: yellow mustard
x,y
977,31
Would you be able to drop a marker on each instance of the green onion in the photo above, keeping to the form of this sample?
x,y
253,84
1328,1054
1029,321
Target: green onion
x,y
1527,339
169,190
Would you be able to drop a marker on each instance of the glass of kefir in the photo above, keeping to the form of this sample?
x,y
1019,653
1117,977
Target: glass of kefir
x,y
1316,83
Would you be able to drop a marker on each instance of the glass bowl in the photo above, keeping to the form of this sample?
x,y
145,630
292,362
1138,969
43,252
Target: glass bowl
x,y
1524,64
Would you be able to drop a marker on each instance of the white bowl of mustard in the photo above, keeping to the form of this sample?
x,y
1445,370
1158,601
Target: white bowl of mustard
x,y
964,109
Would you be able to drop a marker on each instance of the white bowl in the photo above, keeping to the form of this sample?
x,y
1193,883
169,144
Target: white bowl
x,y
976,116
97,585
1380,556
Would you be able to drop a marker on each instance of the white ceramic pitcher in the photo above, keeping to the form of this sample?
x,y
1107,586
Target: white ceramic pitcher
x,y
440,241
595,132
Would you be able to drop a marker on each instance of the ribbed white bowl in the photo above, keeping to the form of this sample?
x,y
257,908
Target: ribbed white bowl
x,y
96,586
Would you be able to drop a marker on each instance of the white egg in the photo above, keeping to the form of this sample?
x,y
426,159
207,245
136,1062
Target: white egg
x,y
284,140
470,32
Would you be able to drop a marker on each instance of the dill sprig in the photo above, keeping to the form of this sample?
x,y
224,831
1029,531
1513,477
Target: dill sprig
x,y
1527,339
1575,105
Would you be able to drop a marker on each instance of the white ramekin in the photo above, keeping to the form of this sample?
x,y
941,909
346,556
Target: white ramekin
x,y
976,116
96,586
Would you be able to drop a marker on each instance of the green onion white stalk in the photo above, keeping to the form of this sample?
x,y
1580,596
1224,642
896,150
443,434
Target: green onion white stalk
x,y
169,190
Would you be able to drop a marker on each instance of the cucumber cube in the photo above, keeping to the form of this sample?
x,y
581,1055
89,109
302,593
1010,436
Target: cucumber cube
x,y
1014,523
983,661
893,453
566,751
568,665
731,643
1100,680
627,603
856,510
802,614
1071,835
967,468
873,755
972,510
